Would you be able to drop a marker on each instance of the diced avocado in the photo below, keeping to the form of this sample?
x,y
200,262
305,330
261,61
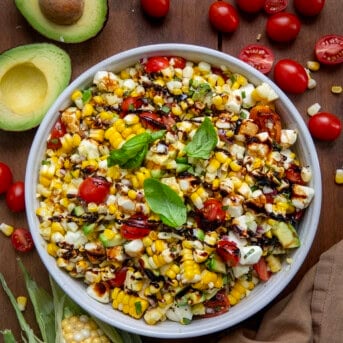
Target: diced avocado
x,y
32,76
110,239
199,234
92,20
286,234
88,228
78,211
216,264
182,167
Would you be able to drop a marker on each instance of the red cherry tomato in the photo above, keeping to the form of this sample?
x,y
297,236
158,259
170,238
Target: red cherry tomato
x,y
309,7
119,277
6,177
250,6
217,305
213,210
155,8
152,121
58,131
228,251
325,126
261,269
94,189
290,76
137,226
258,56
223,16
283,27
15,197
156,64
293,174
275,6
177,62
329,49
130,103
22,240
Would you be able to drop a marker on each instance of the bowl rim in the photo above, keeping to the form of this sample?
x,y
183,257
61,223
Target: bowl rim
x,y
265,293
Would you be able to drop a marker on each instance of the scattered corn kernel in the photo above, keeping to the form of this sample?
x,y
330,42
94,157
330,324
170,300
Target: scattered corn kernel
x,y
339,176
6,229
336,89
313,109
313,65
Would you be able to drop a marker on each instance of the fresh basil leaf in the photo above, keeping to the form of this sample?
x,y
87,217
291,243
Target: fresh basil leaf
x,y
203,142
137,160
156,135
86,95
165,202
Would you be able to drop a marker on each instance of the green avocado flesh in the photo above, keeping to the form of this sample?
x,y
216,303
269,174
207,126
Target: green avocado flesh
x,y
31,78
89,25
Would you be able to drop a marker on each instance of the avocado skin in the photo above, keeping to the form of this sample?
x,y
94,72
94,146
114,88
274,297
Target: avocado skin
x,y
88,26
52,62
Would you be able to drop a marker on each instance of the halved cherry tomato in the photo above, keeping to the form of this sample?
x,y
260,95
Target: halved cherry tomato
x,y
325,126
119,277
329,49
223,16
275,6
6,177
152,121
262,270
15,197
137,226
290,76
94,189
21,240
156,8
293,174
309,7
228,251
283,27
250,6
217,305
131,103
156,63
258,56
177,62
267,121
58,131
213,210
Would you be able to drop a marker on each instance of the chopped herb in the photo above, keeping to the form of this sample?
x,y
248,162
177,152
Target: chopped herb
x,y
86,95
138,307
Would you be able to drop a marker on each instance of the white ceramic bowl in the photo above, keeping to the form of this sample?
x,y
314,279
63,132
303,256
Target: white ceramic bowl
x,y
263,293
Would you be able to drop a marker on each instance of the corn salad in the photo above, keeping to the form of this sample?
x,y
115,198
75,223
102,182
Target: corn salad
x,y
230,189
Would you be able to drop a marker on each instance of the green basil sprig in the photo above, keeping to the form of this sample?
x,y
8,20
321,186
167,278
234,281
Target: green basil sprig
x,y
165,202
132,153
203,142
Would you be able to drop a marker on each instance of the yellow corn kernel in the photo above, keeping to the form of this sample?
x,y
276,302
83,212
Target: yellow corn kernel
x,y
268,234
87,110
141,177
89,163
97,134
52,249
132,194
119,92
57,227
126,132
76,95
131,119
98,99
215,184
213,166
221,157
197,201
92,207
232,300
6,229
339,176
313,65
274,263
235,166
116,140
158,100
336,89
22,302
120,125
176,109
229,133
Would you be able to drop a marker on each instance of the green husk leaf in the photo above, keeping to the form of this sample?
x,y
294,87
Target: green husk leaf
x,y
43,306
8,336
31,337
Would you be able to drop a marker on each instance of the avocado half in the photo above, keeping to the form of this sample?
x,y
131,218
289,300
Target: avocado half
x,y
31,78
89,25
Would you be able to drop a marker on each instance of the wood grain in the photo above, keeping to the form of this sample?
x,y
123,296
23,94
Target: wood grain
x,y
186,22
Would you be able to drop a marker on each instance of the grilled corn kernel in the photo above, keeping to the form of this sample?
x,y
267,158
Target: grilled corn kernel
x,y
313,109
76,95
235,166
213,166
87,110
120,125
132,194
52,249
131,119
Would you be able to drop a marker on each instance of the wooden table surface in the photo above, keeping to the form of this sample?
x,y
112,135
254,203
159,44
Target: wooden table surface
x,y
187,22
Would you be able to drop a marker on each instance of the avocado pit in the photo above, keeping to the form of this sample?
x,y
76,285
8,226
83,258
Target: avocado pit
x,y
23,88
62,12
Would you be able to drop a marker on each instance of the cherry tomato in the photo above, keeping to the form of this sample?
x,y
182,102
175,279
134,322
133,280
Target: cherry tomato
x,y
152,121
58,131
309,7
22,240
329,49
217,305
155,8
267,121
94,189
15,197
250,6
213,210
261,269
283,27
177,62
325,126
228,251
137,226
6,177
223,16
131,103
290,76
119,277
275,6
258,56
156,63
293,174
